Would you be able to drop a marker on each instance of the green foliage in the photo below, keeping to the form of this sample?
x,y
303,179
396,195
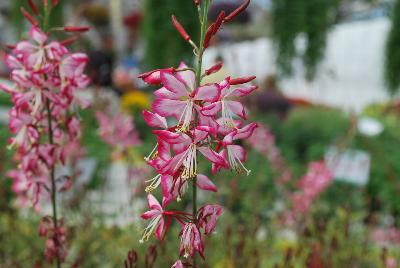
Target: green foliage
x,y
164,46
392,52
19,22
308,132
312,18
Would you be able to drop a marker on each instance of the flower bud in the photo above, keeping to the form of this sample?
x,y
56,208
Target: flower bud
x,y
180,29
76,29
29,17
241,80
237,11
214,68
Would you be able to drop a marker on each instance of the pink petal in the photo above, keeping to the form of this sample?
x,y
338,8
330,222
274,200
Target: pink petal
x,y
245,132
163,150
150,214
201,132
188,77
204,183
173,84
36,34
164,93
238,151
154,120
160,229
211,155
242,91
209,93
153,203
174,164
12,62
236,107
166,107
211,109
24,47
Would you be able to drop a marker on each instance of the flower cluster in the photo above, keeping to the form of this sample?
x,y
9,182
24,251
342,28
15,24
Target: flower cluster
x,y
117,130
46,79
206,123
316,180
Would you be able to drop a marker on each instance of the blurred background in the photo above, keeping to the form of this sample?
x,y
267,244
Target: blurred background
x,y
325,184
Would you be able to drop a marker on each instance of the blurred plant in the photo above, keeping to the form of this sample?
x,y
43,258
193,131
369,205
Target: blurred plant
x,y
162,48
195,107
269,149
312,18
392,54
309,187
47,78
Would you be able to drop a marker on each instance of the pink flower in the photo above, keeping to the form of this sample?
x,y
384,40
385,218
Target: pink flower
x,y
155,214
36,55
191,241
186,148
178,264
208,216
117,130
179,96
226,104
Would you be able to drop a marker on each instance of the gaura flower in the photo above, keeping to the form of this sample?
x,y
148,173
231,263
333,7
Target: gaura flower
x,y
191,241
179,96
155,214
226,104
186,148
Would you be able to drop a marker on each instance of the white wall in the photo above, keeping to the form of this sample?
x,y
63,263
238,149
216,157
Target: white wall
x,y
350,76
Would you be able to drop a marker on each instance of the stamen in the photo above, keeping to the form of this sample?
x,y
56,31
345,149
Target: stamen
x,y
190,163
153,154
236,164
227,116
154,183
186,117
149,230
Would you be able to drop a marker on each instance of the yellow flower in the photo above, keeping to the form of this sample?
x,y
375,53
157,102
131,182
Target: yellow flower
x,y
135,100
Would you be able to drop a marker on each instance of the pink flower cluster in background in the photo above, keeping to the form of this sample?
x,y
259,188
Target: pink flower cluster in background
x,y
205,124
117,130
46,77
270,150
310,186
43,74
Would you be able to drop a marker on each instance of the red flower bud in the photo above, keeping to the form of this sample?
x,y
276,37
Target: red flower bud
x,y
76,29
9,46
29,17
214,68
197,2
33,7
209,35
219,21
69,41
237,11
54,2
180,29
241,80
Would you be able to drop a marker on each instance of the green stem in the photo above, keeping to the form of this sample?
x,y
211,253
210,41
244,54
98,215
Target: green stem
x,y
203,21
53,191
53,179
